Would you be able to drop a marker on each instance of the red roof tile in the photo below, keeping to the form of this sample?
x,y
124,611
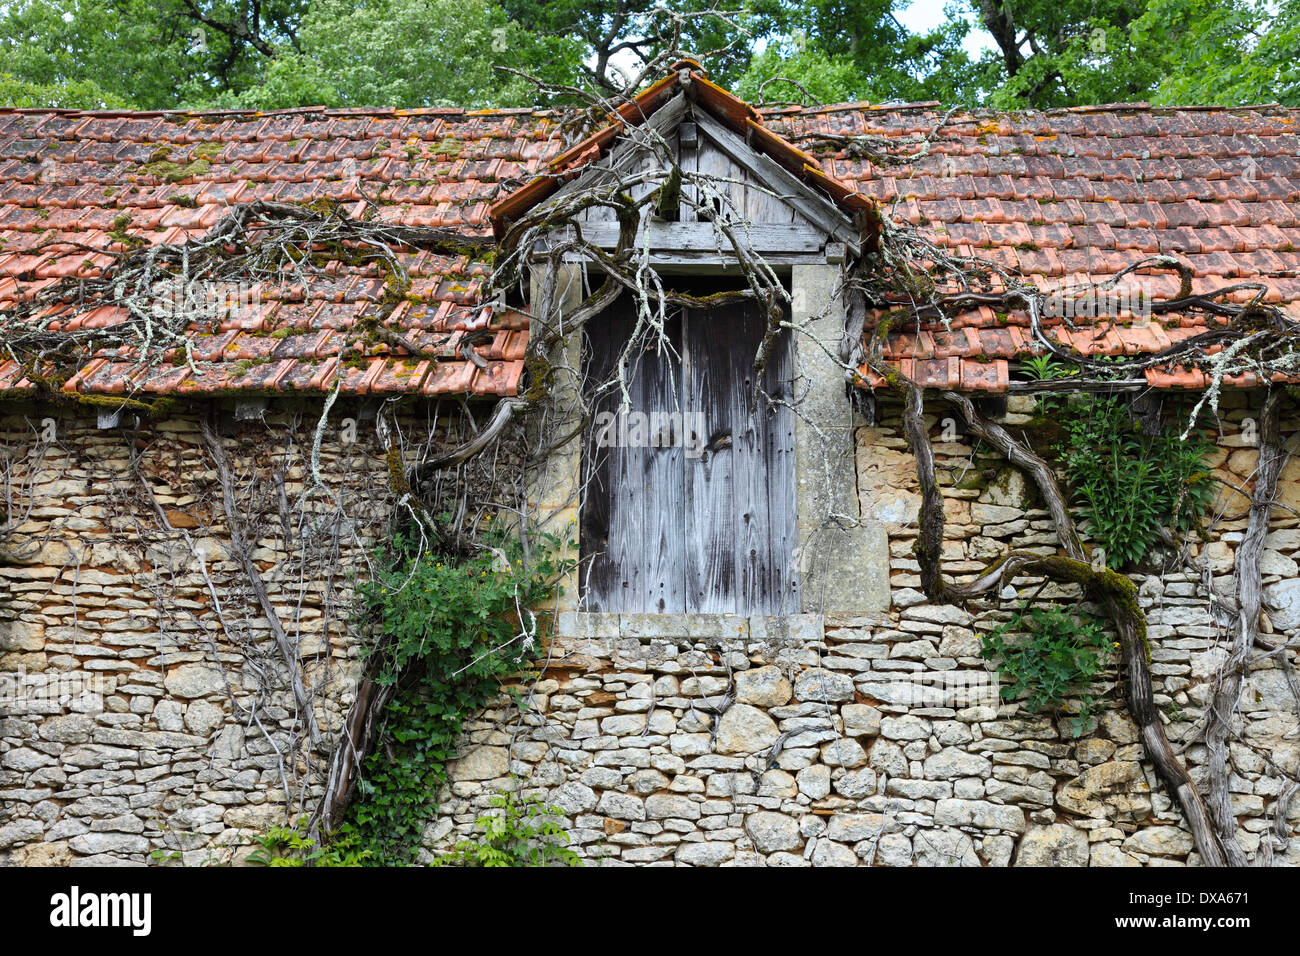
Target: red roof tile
x,y
1065,196
1075,196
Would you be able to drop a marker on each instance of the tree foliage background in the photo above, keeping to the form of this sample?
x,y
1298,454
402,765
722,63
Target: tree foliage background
x,y
268,54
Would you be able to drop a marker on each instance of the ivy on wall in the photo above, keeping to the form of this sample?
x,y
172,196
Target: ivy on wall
x,y
449,632
1048,656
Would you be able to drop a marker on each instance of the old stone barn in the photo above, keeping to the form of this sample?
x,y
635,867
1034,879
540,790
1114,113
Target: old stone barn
x,y
920,482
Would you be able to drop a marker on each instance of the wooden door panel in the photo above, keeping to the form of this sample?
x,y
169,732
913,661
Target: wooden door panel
x,y
778,470
599,573
633,534
752,556
708,354
662,537
702,520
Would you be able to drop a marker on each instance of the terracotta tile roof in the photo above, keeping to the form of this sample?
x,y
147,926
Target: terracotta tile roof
x,y
1063,196
1070,197
69,179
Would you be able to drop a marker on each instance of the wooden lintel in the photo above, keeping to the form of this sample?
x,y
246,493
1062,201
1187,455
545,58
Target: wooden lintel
x,y
671,237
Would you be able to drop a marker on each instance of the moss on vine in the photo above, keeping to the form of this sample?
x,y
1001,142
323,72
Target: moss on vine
x,y
117,402
397,481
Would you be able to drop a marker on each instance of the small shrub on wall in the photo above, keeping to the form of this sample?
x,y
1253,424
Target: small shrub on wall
x,y
1048,656
520,831
294,846
451,632
1128,485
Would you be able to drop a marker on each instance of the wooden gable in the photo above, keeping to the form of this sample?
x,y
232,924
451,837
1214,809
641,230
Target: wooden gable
x,y
774,214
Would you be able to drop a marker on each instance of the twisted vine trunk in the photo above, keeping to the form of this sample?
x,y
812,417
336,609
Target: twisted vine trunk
x,y
1249,598
356,741
243,554
1117,594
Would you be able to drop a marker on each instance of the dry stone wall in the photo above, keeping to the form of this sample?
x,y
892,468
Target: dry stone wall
x,y
880,739
149,724
138,721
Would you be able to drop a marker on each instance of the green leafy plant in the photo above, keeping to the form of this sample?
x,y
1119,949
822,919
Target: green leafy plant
x,y
1130,485
293,846
1047,655
450,631
522,832
1046,367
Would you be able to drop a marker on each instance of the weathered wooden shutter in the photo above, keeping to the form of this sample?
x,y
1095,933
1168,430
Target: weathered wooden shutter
x,y
704,522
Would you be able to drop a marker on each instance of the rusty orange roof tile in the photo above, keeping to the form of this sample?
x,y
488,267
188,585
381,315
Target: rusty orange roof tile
x,y
1063,196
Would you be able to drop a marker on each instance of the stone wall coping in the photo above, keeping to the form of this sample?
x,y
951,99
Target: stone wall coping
x,y
788,628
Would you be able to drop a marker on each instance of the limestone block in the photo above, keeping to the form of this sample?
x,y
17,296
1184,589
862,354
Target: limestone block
x,y
705,854
1056,845
845,570
816,685
480,763
1160,841
763,687
944,847
194,680
745,730
772,832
